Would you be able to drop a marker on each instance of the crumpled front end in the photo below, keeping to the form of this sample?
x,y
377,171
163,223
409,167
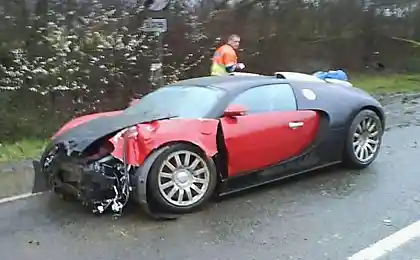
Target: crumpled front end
x,y
94,177
103,162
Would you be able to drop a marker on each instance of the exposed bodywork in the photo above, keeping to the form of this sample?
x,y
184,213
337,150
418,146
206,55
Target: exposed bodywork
x,y
104,159
75,155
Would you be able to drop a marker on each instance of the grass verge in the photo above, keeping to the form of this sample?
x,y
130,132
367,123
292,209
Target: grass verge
x,y
378,83
387,83
24,149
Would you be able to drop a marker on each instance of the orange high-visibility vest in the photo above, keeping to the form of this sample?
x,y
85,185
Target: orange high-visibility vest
x,y
223,57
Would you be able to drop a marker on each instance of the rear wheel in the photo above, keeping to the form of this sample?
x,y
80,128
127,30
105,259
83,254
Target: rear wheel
x,y
182,179
364,140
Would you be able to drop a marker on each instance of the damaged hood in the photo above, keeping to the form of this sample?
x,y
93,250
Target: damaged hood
x,y
81,136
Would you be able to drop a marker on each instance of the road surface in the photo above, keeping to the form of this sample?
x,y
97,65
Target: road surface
x,y
330,214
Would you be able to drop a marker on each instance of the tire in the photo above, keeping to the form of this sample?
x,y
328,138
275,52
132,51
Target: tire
x,y
181,178
365,134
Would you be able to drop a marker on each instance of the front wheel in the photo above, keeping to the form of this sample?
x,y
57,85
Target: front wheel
x,y
182,179
363,140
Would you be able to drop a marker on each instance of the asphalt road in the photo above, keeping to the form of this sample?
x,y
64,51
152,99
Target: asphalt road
x,y
329,214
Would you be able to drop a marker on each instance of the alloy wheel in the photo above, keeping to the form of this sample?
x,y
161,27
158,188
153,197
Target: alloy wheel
x,y
366,139
183,178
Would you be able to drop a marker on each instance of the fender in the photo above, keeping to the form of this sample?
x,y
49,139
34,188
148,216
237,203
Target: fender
x,y
140,193
141,140
147,142
140,179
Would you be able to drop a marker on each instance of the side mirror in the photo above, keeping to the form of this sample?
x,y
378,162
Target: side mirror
x,y
235,110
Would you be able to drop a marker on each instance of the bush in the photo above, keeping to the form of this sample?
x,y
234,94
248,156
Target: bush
x,y
60,59
74,60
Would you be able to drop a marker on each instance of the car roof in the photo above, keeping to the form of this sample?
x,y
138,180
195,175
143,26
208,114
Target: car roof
x,y
231,83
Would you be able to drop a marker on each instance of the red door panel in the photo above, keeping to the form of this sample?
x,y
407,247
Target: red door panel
x,y
259,140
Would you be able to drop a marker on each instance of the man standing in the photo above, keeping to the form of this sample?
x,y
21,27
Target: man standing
x,y
225,59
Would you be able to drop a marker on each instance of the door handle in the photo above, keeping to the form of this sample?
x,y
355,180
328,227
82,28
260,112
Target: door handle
x,y
295,125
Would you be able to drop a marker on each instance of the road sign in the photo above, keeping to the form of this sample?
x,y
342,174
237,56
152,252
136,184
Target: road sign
x,y
155,25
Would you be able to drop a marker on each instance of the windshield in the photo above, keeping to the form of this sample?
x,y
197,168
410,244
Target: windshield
x,y
177,101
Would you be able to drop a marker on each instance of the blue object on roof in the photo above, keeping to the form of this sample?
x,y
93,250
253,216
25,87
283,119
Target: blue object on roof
x,y
332,74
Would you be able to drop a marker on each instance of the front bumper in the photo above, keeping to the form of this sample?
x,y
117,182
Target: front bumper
x,y
92,183
44,181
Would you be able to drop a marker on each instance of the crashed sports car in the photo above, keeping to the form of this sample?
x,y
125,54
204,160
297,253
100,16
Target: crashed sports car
x,y
178,146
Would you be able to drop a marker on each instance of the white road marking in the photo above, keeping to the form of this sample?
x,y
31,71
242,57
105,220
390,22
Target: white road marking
x,y
386,245
18,197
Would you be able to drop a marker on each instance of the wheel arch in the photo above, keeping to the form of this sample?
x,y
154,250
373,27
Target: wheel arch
x,y
378,112
373,108
159,149
348,157
170,143
141,176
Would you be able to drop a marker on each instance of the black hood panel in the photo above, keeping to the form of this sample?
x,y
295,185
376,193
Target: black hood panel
x,y
80,137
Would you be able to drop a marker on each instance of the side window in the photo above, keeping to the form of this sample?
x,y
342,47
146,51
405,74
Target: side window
x,y
274,97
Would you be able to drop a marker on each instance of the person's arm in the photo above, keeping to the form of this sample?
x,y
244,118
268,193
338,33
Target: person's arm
x,y
234,67
230,68
230,61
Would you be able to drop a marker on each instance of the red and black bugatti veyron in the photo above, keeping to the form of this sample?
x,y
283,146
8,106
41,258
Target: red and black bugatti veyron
x,y
180,144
